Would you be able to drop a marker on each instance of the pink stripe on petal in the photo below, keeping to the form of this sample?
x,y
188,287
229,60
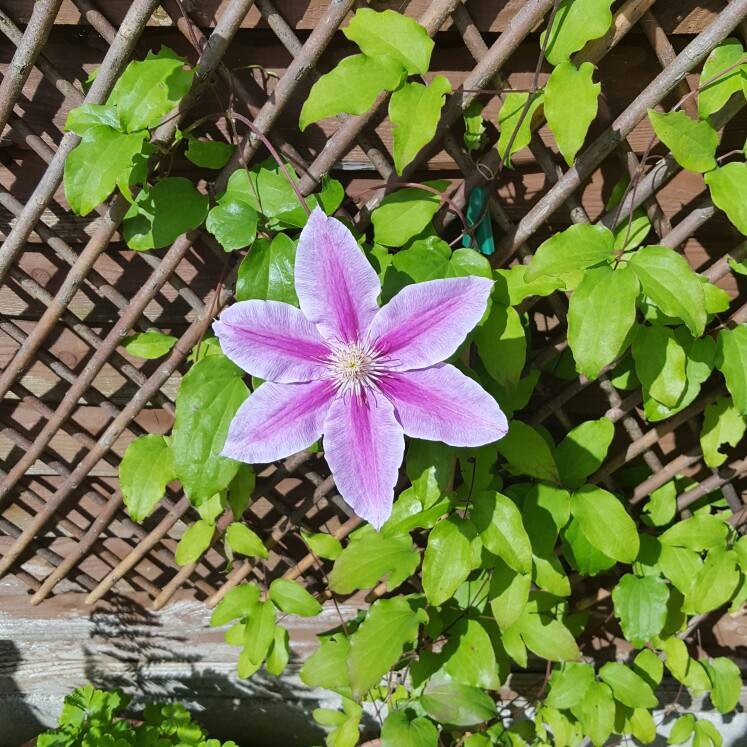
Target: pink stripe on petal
x,y
336,285
425,323
271,340
364,445
442,404
278,420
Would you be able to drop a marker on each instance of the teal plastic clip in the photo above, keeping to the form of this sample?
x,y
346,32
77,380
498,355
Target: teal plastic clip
x,y
478,198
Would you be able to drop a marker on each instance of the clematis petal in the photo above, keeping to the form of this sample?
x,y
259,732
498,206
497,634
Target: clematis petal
x,y
271,340
278,420
442,404
426,322
364,445
336,286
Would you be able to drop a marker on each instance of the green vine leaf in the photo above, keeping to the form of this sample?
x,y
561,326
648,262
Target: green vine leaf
x,y
405,213
692,142
728,187
209,154
328,666
546,637
601,316
474,126
583,450
206,402
84,117
727,683
575,248
150,88
149,345
414,110
660,363
525,450
266,272
379,641
388,33
571,105
290,597
716,581
238,602
699,532
460,705
260,632
351,87
244,541
447,560
93,166
502,345
576,22
162,213
627,686
605,523
233,222
569,685
669,281
722,424
512,118
194,542
499,524
469,656
581,554
508,594
731,359
641,606
400,729
145,470
713,95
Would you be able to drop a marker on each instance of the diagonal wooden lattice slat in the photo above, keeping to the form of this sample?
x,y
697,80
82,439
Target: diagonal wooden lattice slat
x,y
73,399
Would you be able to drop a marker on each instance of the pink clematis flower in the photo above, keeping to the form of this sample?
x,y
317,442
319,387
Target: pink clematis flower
x,y
360,375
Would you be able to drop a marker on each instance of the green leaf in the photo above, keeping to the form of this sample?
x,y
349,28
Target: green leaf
x,y
150,88
465,262
527,452
581,554
722,424
680,565
571,105
649,666
660,363
692,142
460,705
291,597
469,656
238,602
641,606
583,450
642,726
502,345
498,522
547,637
392,34
149,345
414,111
508,594
568,685
726,679
716,581
627,686
474,125
208,398
662,504
447,560
92,167
377,644
714,90
682,729
429,466
279,654
267,271
405,213
575,248
368,557
240,490
728,187
731,359
699,532
605,523
351,87
669,281
162,213
576,22
194,542
209,154
596,712
601,315
85,116
706,734
322,544
515,116
260,631
327,667
145,470
233,222
244,541
400,730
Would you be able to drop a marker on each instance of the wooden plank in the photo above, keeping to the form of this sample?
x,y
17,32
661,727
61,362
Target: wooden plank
x,y
680,17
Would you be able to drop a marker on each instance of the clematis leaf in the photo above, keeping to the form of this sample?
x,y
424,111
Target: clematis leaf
x,y
715,87
145,470
728,188
576,22
692,143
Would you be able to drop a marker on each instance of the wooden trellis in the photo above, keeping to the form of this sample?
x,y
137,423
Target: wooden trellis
x,y
73,399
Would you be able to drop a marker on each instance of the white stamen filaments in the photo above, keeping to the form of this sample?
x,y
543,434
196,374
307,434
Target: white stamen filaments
x,y
354,366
